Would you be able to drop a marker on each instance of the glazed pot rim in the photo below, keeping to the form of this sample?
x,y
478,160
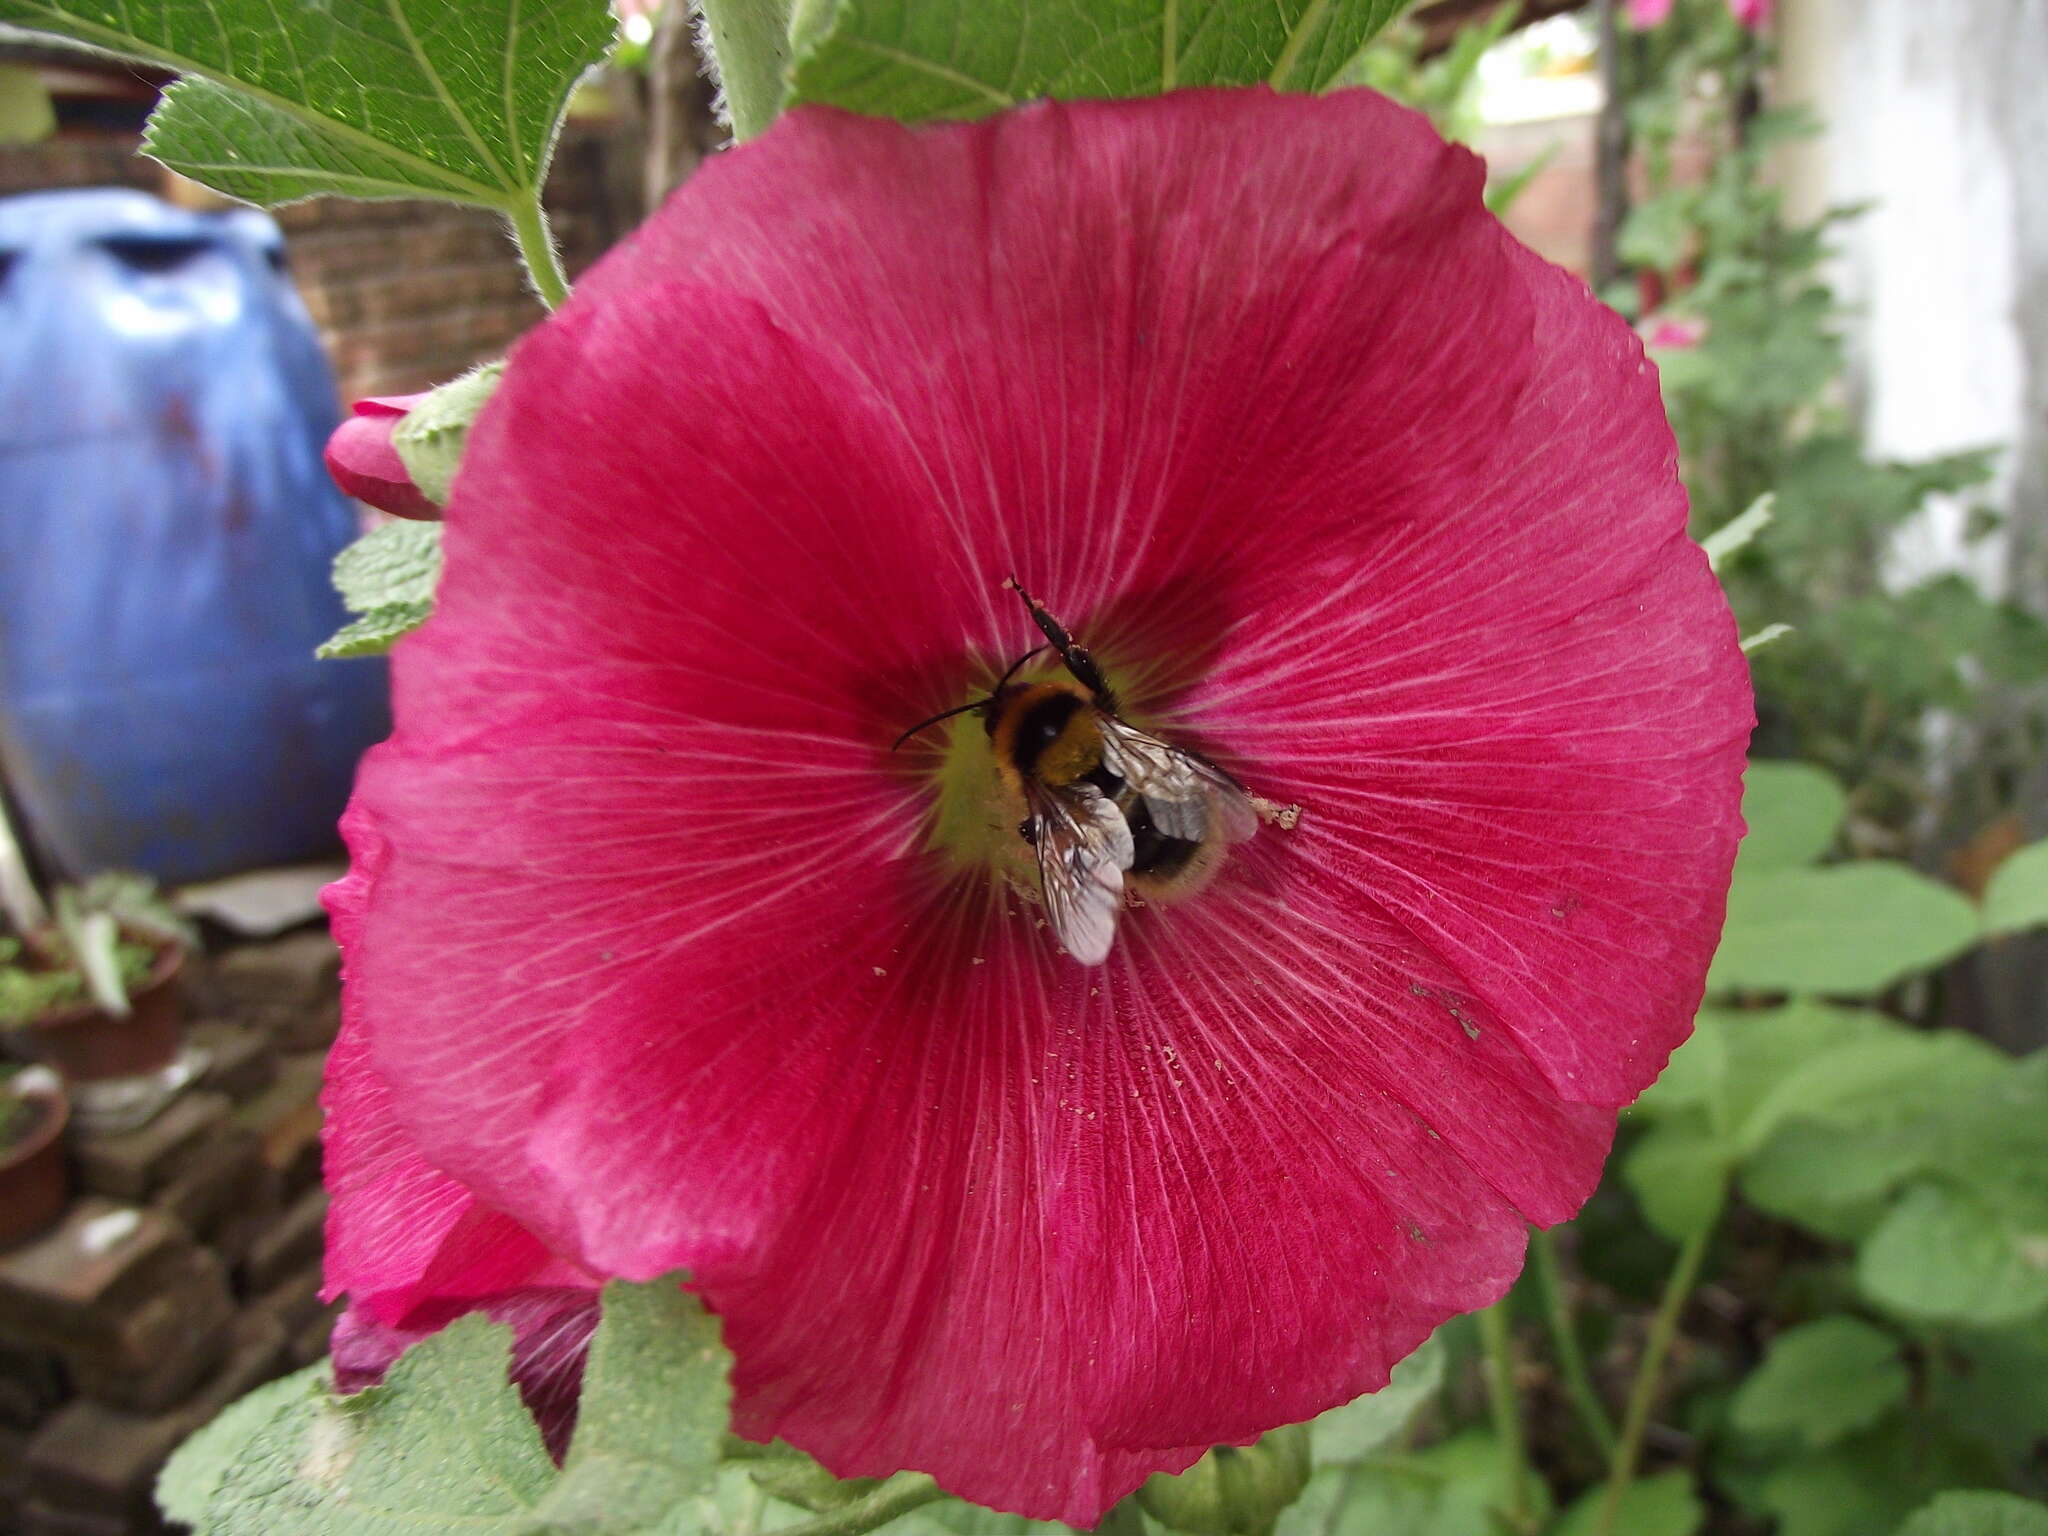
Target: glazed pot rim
x,y
56,1117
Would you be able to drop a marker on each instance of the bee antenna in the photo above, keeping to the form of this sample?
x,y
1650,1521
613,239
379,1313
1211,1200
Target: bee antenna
x,y
944,714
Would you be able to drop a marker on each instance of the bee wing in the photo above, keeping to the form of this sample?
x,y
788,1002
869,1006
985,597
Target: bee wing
x,y
1084,847
1181,790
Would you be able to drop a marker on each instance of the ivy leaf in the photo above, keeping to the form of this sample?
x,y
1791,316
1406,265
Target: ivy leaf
x,y
1978,1512
914,59
2017,896
652,1418
444,1443
1822,1381
360,98
387,577
1850,930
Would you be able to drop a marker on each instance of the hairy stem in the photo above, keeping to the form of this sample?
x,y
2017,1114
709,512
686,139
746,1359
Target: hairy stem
x,y
1506,1407
1642,1392
537,250
898,1496
1564,1337
749,46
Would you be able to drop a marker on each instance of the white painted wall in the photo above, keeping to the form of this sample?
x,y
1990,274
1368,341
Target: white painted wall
x,y
1927,103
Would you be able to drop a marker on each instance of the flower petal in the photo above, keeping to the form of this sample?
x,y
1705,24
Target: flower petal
x,y
652,954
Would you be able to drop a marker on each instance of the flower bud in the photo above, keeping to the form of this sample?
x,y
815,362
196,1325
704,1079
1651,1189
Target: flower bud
x,y
1234,1490
363,462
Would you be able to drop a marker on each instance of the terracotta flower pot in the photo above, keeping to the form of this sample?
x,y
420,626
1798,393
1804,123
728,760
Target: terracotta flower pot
x,y
35,1182
87,1044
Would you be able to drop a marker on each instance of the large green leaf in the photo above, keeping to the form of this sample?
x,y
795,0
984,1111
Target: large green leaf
x,y
1455,1488
913,59
1664,1505
1822,1382
1850,930
364,98
1679,1173
444,1444
1978,1512
653,1413
2018,894
1793,811
1944,1256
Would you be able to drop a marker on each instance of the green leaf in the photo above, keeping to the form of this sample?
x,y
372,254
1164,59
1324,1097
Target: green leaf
x,y
750,49
1822,1382
431,436
1451,1489
915,59
26,114
1367,1424
1679,1172
387,577
653,1415
1943,1256
1849,930
1794,811
361,98
443,1444
1978,1512
2017,897
1664,1505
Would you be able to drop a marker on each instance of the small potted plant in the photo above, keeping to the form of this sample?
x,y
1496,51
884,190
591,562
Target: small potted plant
x,y
34,1179
95,990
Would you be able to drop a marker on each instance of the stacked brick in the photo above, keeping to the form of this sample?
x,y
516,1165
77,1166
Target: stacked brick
x,y
186,1273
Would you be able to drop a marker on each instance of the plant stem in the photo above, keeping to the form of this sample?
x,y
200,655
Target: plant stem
x,y
1642,1392
750,58
898,1496
1506,1409
1564,1336
537,250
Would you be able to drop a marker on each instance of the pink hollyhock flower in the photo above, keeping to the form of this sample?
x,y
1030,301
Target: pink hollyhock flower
x,y
1670,333
1644,14
1753,14
364,462
659,958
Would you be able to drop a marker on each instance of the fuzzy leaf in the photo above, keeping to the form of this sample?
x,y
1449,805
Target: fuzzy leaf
x,y
1850,930
361,98
387,577
1978,1512
1823,1381
914,59
2017,897
430,437
653,1414
443,1444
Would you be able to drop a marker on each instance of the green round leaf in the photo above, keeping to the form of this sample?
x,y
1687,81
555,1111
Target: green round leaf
x,y
1978,1512
1851,930
2018,894
1822,1382
1664,1505
1942,1256
1794,811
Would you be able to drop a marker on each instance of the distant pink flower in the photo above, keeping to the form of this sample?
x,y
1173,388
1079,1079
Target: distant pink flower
x,y
1645,14
364,462
659,958
1674,334
1753,14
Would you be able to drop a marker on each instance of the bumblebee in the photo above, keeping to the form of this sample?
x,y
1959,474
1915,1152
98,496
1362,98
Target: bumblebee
x,y
1110,808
